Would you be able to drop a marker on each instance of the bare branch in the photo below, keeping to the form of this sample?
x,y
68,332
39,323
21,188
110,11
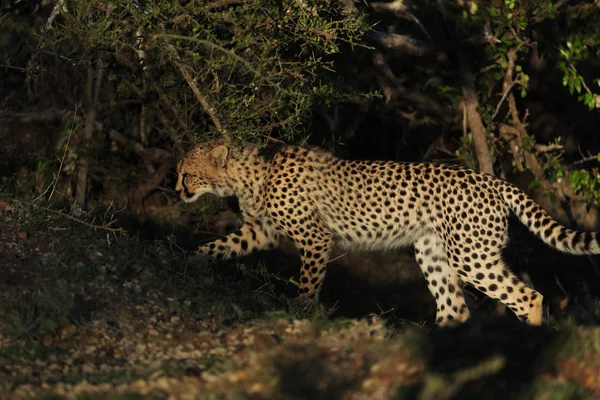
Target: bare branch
x,y
473,117
402,43
203,100
585,160
393,90
59,7
400,10
45,117
144,189
151,155
546,148
397,7
560,3
92,91
105,227
223,3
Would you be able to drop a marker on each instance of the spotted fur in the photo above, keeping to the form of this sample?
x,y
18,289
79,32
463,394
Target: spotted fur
x,y
456,218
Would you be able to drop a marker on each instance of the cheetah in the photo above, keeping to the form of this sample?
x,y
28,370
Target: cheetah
x,y
456,218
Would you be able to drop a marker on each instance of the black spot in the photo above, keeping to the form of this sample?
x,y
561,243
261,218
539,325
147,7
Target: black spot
x,y
271,150
587,239
576,239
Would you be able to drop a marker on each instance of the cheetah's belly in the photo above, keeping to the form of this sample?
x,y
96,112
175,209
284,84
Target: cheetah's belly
x,y
377,235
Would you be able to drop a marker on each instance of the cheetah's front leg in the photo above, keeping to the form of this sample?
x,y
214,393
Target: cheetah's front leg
x,y
314,247
252,236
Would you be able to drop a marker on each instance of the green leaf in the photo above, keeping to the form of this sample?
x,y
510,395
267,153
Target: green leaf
x,y
577,83
534,183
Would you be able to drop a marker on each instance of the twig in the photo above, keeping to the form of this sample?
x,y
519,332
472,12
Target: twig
x,y
48,117
545,148
59,7
584,160
400,10
144,190
446,387
151,156
559,4
62,160
105,227
13,67
464,122
505,94
223,3
170,131
337,258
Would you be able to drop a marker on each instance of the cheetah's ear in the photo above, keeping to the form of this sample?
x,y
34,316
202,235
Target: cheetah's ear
x,y
218,155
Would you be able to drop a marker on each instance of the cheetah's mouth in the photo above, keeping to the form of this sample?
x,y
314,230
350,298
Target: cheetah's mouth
x,y
186,194
190,197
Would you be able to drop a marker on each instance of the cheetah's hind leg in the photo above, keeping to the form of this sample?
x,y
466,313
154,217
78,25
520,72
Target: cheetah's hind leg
x,y
442,280
493,278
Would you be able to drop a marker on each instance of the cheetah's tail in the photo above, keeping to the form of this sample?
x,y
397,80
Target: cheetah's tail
x,y
534,217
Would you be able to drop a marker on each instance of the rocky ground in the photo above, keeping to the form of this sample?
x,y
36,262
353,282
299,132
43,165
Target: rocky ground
x,y
89,311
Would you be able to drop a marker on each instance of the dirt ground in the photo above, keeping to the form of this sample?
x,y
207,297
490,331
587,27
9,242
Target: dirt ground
x,y
88,311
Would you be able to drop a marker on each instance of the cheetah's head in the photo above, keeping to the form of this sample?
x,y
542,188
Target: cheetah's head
x,y
203,170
